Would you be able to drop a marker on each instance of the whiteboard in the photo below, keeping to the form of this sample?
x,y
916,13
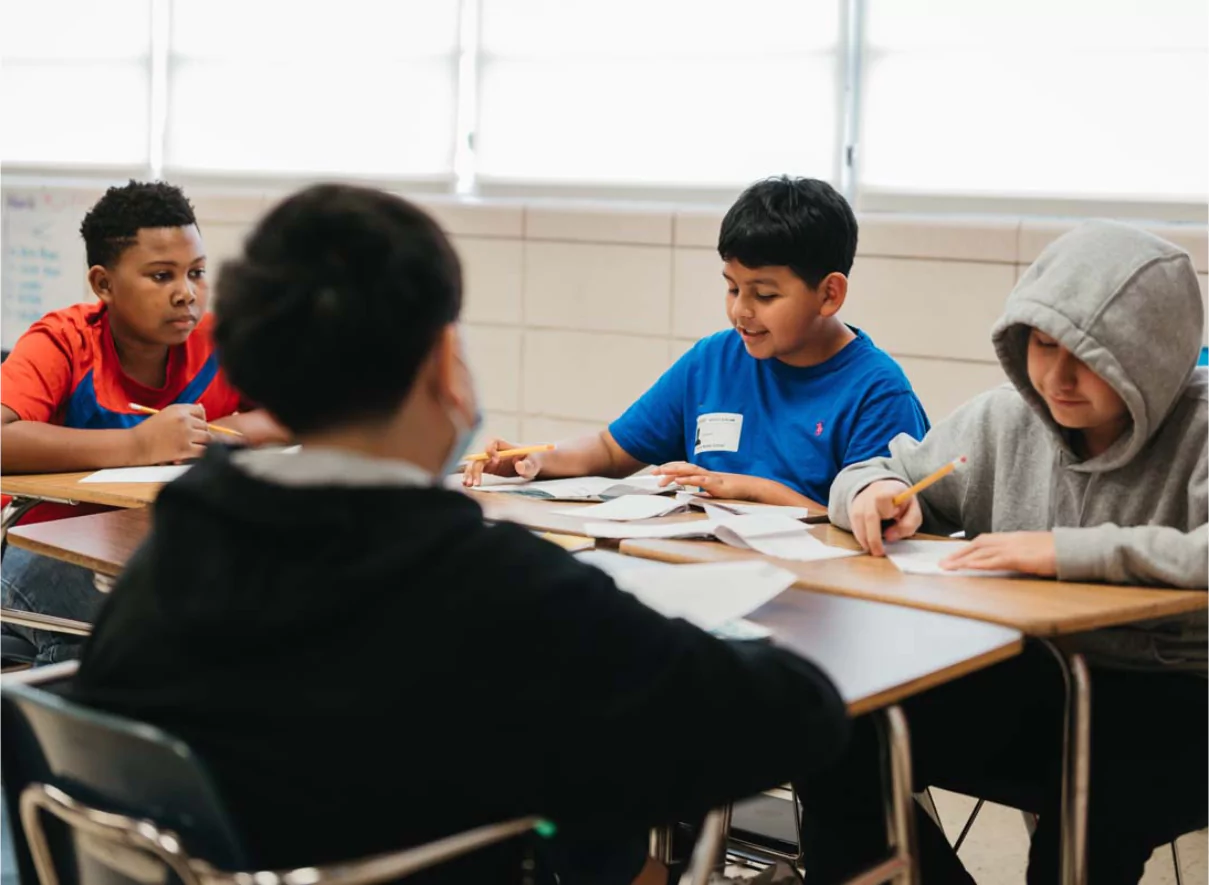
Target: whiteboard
x,y
44,267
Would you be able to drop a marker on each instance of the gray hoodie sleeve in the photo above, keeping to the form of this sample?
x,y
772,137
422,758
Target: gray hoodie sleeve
x,y
962,433
1148,554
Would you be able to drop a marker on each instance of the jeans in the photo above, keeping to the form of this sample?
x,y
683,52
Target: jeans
x,y
39,584
997,734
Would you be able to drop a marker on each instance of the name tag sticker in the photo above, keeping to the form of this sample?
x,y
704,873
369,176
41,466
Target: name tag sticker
x,y
718,432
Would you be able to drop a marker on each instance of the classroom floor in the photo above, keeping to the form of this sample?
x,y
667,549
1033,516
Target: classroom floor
x,y
996,849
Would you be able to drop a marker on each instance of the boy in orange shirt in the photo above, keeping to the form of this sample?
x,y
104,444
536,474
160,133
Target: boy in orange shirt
x,y
68,386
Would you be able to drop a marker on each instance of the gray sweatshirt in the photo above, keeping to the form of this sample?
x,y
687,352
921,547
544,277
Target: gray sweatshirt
x,y
1127,304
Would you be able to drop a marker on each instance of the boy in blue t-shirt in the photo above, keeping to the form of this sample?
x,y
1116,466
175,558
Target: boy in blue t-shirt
x,y
773,409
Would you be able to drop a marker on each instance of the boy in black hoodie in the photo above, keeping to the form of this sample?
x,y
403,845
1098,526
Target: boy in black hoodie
x,y
362,662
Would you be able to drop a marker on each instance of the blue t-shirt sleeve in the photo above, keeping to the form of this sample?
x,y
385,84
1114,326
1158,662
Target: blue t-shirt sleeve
x,y
882,419
652,429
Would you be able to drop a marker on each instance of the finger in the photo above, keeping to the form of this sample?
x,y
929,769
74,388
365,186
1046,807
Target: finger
x,y
971,557
197,410
992,562
526,467
873,533
676,468
908,524
473,474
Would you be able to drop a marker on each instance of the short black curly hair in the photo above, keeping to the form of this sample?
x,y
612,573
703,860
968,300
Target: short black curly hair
x,y
113,224
335,302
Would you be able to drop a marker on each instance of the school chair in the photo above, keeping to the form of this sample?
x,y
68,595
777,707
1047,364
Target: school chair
x,y
15,651
104,800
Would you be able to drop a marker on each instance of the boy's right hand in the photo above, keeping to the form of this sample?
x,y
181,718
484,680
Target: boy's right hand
x,y
178,433
876,503
527,466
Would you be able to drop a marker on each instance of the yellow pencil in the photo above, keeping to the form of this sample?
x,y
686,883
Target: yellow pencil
x,y
940,474
509,453
213,428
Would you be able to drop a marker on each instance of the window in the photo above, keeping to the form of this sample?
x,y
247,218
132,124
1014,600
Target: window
x,y
1078,99
77,82
679,92
359,86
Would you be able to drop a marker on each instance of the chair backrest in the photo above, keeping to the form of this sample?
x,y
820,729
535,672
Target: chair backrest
x,y
111,764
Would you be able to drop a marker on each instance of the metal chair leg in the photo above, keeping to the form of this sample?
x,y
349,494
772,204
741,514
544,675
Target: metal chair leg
x,y
969,823
928,804
1175,860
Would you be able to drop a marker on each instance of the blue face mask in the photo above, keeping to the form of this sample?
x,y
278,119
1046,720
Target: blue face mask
x,y
461,442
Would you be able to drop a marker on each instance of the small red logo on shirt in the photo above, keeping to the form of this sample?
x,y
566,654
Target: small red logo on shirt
x,y
818,429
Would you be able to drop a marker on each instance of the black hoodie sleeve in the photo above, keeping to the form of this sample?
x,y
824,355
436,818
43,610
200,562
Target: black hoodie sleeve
x,y
642,732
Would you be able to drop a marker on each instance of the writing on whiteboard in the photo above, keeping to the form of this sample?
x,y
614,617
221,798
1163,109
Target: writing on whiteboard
x,y
43,268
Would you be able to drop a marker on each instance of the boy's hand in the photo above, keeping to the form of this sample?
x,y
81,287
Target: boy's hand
x,y
258,428
717,485
528,466
177,433
876,503
1029,552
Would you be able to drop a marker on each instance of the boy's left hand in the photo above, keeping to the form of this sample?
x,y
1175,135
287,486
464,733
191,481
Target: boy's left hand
x,y
718,485
1029,552
258,428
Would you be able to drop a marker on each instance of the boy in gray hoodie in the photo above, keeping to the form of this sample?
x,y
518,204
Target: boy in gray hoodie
x,y
1090,466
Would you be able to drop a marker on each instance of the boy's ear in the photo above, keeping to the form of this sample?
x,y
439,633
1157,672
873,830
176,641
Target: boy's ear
x,y
834,289
101,283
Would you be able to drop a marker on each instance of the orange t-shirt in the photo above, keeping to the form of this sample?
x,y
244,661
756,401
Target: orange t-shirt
x,y
65,370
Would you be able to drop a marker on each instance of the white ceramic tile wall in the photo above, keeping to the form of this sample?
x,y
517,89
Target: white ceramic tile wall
x,y
493,274
588,376
573,309
223,240
587,224
600,288
538,429
698,293
943,385
924,307
494,354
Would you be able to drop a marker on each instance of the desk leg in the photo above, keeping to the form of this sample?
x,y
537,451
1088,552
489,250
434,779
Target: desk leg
x,y
1076,762
12,513
900,817
900,867
660,846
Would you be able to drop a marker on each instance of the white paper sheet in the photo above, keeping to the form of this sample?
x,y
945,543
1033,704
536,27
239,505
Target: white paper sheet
x,y
708,595
776,536
699,528
137,474
923,558
628,507
582,488
716,510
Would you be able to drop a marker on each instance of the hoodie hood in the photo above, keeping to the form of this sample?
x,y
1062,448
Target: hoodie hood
x,y
1124,302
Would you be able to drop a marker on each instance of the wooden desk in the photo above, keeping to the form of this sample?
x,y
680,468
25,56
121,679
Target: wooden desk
x,y
100,542
1040,608
1034,606
876,654
67,487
